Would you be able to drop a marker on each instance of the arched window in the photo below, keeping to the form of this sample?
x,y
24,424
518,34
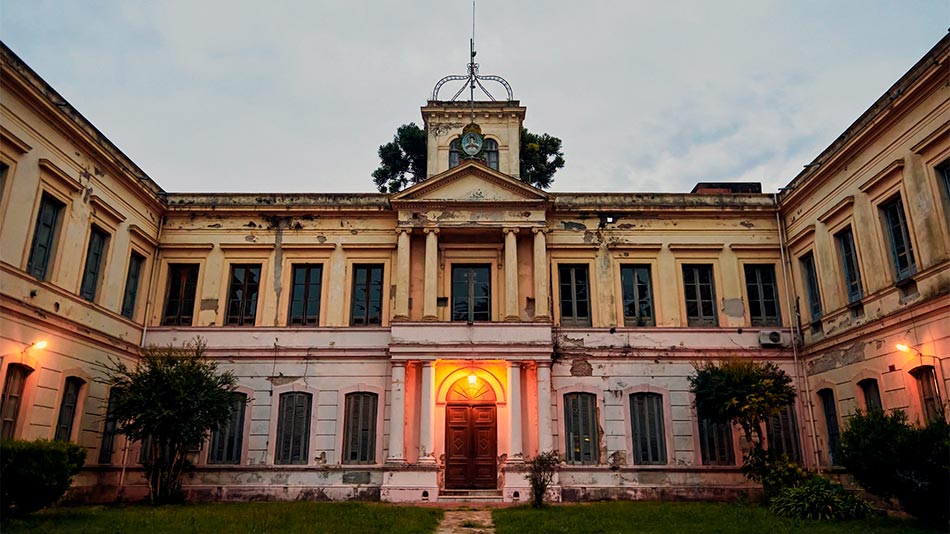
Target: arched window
x,y
930,404
12,398
872,394
359,434
227,442
649,437
455,153
67,409
580,428
490,150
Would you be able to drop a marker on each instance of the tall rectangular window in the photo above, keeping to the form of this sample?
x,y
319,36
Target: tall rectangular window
x,y
108,432
649,438
849,265
763,296
580,428
637,289
293,428
67,409
575,295
715,443
242,294
305,296
872,394
943,177
781,431
132,280
227,441
700,294
94,260
367,306
471,293
811,290
44,237
359,429
895,226
4,170
930,402
182,285
830,408
11,399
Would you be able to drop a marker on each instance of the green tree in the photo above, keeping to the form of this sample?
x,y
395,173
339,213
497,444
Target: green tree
x,y
169,402
402,162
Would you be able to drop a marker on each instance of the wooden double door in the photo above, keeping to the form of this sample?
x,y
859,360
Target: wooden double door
x,y
471,443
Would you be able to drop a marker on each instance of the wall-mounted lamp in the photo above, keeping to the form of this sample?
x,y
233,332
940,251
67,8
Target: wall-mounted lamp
x,y
904,348
472,379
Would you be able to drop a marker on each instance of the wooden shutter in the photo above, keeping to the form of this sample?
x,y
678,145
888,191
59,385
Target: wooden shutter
x,y
649,437
67,409
359,440
580,427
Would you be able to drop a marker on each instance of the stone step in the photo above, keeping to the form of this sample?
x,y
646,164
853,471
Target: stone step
x,y
472,496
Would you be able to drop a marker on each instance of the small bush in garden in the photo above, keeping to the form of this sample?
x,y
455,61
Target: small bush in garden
x,y
35,474
819,498
541,470
774,471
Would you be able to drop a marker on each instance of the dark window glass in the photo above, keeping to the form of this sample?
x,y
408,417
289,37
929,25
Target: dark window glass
x,y
872,394
930,402
849,265
182,285
367,295
359,435
490,148
763,296
637,292
94,260
228,440
147,451
700,295
715,443
580,428
242,295
305,299
108,432
41,250
455,153
132,284
575,295
11,399
782,433
831,421
4,169
293,428
471,293
943,176
67,409
811,287
895,225
649,438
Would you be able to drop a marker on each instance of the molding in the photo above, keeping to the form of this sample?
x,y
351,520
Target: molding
x,y
18,144
656,247
842,205
795,241
307,246
369,246
245,246
704,247
65,179
186,246
102,208
875,180
939,134
753,247
137,232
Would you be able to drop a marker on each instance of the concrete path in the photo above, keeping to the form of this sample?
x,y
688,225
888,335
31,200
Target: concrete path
x,y
466,522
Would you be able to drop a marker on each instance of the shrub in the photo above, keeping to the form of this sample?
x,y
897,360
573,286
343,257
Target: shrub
x,y
35,474
819,498
775,472
541,471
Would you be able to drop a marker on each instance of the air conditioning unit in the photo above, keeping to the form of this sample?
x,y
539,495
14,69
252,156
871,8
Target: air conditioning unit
x,y
772,338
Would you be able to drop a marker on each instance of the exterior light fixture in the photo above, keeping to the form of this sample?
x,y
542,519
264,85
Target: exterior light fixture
x,y
39,345
472,379
902,347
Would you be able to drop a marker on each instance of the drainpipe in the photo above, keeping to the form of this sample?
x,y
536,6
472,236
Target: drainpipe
x,y
796,335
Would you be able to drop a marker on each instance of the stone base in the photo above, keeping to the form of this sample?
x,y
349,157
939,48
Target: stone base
x,y
414,484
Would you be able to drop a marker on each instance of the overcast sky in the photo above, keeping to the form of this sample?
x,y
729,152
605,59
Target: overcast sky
x,y
270,96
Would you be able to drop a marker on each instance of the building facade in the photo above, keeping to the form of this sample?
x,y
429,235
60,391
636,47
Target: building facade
x,y
411,346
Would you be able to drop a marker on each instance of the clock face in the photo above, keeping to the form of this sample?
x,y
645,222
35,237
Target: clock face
x,y
471,143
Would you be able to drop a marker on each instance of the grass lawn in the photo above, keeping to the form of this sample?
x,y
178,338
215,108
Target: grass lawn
x,y
647,517
232,518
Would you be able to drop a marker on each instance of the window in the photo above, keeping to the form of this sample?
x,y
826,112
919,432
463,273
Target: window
x,y
637,292
359,435
146,451
132,284
471,293
575,298
715,443
4,169
367,295
943,176
781,431
849,264
580,428
67,409
242,295
930,404
649,439
700,295
872,394
11,399
490,148
90,273
108,432
895,226
305,299
763,296
293,428
827,397
44,236
455,153
182,284
811,290
227,441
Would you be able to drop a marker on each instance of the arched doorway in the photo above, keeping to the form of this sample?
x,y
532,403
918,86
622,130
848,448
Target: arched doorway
x,y
471,435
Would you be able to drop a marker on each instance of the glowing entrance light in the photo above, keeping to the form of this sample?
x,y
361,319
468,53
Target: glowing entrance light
x,y
472,379
40,345
902,347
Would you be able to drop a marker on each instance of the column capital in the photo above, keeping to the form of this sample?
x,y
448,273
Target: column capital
x,y
398,363
540,230
543,363
510,230
403,230
430,230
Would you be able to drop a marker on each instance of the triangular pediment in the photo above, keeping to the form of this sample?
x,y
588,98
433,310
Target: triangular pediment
x,y
472,181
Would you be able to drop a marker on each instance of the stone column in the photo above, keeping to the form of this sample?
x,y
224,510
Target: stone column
x,y
516,443
397,414
541,309
431,287
402,275
545,432
511,275
426,409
